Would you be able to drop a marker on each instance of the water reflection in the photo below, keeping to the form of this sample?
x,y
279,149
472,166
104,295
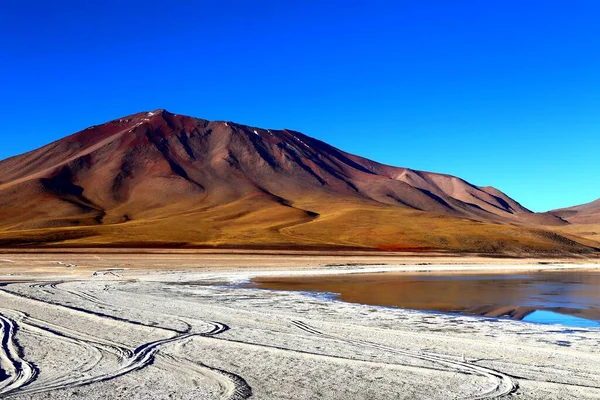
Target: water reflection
x,y
550,317
522,296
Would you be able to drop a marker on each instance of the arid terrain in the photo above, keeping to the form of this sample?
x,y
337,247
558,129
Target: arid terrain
x,y
120,324
584,220
299,200
583,214
127,250
157,179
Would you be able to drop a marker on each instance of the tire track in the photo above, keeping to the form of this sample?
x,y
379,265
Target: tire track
x,y
18,372
82,295
81,309
89,358
96,349
44,328
87,297
233,387
96,301
503,384
101,303
139,358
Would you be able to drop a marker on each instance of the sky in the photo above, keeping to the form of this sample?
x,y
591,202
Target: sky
x,y
500,93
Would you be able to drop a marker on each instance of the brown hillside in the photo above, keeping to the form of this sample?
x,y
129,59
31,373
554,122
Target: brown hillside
x,y
584,214
159,178
584,221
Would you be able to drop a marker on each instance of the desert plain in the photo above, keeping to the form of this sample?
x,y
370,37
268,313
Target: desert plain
x,y
182,325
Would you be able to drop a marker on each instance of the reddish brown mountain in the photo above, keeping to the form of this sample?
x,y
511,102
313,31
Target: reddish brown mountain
x,y
584,214
176,179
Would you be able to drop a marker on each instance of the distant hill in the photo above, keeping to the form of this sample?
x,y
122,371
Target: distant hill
x,y
584,221
162,179
583,214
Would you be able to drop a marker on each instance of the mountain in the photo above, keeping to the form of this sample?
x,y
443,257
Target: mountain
x,y
583,214
584,221
162,179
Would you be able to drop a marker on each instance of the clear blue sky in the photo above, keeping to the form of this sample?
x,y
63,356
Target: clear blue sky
x,y
501,93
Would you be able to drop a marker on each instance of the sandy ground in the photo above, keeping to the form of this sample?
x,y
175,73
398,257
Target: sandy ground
x,y
159,326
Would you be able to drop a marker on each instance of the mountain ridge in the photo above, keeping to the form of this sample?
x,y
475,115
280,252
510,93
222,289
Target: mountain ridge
x,y
588,213
159,165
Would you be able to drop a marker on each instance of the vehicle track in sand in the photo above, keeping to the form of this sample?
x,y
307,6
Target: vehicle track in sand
x,y
135,360
53,285
21,377
502,384
101,304
16,372
92,350
232,387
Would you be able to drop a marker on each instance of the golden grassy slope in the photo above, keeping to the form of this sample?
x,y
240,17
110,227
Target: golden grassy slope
x,y
261,222
589,232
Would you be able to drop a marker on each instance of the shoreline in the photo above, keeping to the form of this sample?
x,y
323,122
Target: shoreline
x,y
434,269
304,252
241,277
51,263
401,287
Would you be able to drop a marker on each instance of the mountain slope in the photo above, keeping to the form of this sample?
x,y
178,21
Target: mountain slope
x,y
164,178
583,214
584,220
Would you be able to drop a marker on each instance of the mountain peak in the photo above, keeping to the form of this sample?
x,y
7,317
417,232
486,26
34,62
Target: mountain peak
x,y
160,113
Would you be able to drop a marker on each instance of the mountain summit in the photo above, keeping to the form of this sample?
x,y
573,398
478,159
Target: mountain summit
x,y
157,178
